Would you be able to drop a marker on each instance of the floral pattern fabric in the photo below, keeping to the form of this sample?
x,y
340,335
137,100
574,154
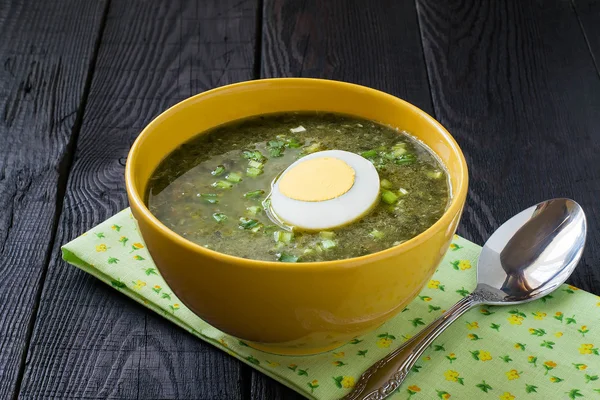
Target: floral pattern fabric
x,y
547,349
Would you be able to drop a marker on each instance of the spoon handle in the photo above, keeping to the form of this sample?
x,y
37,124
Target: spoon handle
x,y
387,374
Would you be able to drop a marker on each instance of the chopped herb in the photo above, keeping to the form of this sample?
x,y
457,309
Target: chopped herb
x,y
402,192
293,143
257,228
375,234
285,257
254,193
328,244
434,174
253,172
234,177
406,159
219,217
254,210
222,185
326,235
389,197
369,154
246,223
256,164
283,237
218,171
384,183
314,147
253,155
209,198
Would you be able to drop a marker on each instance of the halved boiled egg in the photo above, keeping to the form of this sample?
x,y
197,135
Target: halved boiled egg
x,y
325,190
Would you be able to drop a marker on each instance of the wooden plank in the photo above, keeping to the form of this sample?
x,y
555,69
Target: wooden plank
x,y
45,55
368,43
89,341
514,83
588,13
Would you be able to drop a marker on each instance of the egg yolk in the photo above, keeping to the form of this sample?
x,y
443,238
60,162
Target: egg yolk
x,y
317,179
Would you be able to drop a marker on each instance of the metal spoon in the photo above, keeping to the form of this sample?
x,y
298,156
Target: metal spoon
x,y
528,257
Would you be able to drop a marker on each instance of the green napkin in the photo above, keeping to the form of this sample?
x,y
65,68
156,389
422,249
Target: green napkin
x,y
544,349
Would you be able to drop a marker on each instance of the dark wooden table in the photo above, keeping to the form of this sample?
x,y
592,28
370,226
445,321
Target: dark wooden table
x,y
516,82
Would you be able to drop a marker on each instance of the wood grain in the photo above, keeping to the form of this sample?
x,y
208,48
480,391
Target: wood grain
x,y
588,13
45,55
514,83
376,44
90,342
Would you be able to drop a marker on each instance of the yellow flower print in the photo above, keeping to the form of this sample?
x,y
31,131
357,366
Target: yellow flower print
x,y
426,358
454,247
555,379
573,287
539,315
507,396
413,389
583,330
588,349
515,320
138,285
485,355
464,264
101,247
222,341
598,304
138,245
385,340
558,334
433,284
512,375
580,367
346,382
272,364
175,307
472,325
313,385
549,366
339,355
453,376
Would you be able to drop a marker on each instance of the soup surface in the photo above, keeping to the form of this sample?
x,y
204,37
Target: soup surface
x,y
213,190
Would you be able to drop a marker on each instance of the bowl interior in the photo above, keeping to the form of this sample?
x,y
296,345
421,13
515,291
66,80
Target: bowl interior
x,y
216,107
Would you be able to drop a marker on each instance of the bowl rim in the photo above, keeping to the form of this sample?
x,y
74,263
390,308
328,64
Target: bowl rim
x,y
136,201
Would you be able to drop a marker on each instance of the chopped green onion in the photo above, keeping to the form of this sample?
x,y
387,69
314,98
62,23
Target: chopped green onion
x,y
314,147
283,237
406,159
275,143
254,193
256,164
293,143
385,184
209,198
434,174
308,252
285,257
257,228
253,172
253,155
222,185
298,129
389,197
369,154
375,234
402,191
276,152
219,217
254,210
246,223
398,152
234,177
326,235
218,171
328,244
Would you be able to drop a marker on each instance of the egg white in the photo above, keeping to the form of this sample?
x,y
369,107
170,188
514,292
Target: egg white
x,y
336,212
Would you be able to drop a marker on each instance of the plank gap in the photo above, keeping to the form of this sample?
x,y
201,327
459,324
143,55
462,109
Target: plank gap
x,y
585,37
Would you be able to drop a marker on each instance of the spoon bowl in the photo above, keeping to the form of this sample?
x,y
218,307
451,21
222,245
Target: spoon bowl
x,y
528,257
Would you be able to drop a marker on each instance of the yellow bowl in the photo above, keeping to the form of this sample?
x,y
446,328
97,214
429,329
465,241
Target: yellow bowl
x,y
287,308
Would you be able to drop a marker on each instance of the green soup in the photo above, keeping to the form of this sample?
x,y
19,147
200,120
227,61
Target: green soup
x,y
212,189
